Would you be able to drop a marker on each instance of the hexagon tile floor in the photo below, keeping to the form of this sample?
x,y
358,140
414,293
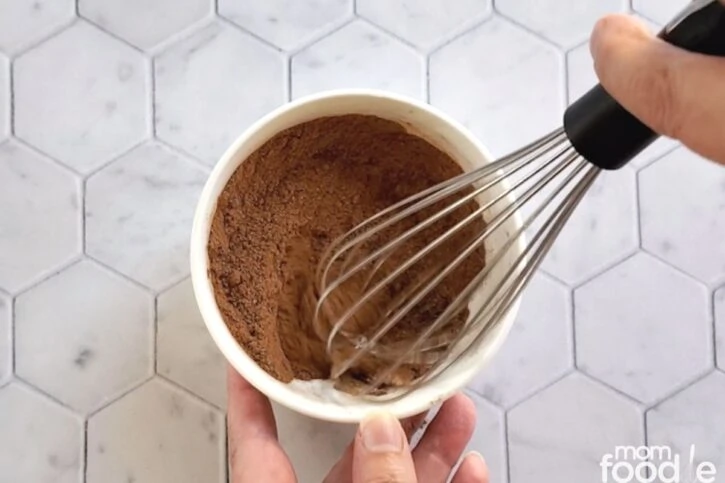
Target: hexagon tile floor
x,y
112,113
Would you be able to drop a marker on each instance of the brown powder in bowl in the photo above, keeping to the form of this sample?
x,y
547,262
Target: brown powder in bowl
x,y
282,207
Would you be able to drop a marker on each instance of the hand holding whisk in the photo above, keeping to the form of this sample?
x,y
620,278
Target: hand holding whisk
x,y
371,280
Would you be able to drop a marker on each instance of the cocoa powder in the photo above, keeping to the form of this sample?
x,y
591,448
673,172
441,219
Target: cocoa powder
x,y
284,205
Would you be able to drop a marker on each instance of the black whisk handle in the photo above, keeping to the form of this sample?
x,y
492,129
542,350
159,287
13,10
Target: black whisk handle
x,y
605,133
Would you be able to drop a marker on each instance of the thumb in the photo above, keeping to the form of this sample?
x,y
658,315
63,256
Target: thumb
x,y
676,93
381,452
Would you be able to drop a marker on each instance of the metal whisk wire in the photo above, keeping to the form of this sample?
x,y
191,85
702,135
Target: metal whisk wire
x,y
564,157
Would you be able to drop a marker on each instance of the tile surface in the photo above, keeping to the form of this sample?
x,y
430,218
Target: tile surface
x,y
142,23
538,349
25,22
660,332
40,202
96,361
358,55
487,95
693,245
139,211
183,440
111,118
601,231
423,23
186,354
565,22
81,97
686,420
562,432
40,441
288,24
205,125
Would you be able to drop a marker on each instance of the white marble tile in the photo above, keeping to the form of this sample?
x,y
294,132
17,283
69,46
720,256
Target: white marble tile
x,y
507,97
39,219
5,98
106,327
693,417
661,11
358,55
81,97
186,352
423,23
538,349
565,22
581,78
653,318
156,433
561,434
40,442
602,230
24,22
145,23
682,202
720,327
139,211
489,438
211,86
6,342
288,24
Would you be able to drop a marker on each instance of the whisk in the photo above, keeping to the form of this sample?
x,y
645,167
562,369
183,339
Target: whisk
x,y
385,269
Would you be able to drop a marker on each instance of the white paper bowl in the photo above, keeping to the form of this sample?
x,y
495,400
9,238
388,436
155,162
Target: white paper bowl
x,y
318,400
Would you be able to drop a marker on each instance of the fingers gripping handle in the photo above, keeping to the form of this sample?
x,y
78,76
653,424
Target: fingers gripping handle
x,y
605,133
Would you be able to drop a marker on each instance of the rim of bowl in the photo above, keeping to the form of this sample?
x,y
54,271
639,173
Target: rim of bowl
x,y
235,355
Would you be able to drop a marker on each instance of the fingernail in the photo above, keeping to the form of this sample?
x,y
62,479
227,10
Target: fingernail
x,y
381,433
475,454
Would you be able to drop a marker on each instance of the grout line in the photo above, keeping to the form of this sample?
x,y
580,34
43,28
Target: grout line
x,y
13,345
288,79
42,392
37,42
175,385
321,35
189,158
115,271
155,335
664,261
572,318
50,273
638,207
115,158
224,20
45,156
11,97
565,78
532,32
85,450
92,24
426,85
614,263
83,187
713,320
506,446
543,388
118,396
76,8
151,79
